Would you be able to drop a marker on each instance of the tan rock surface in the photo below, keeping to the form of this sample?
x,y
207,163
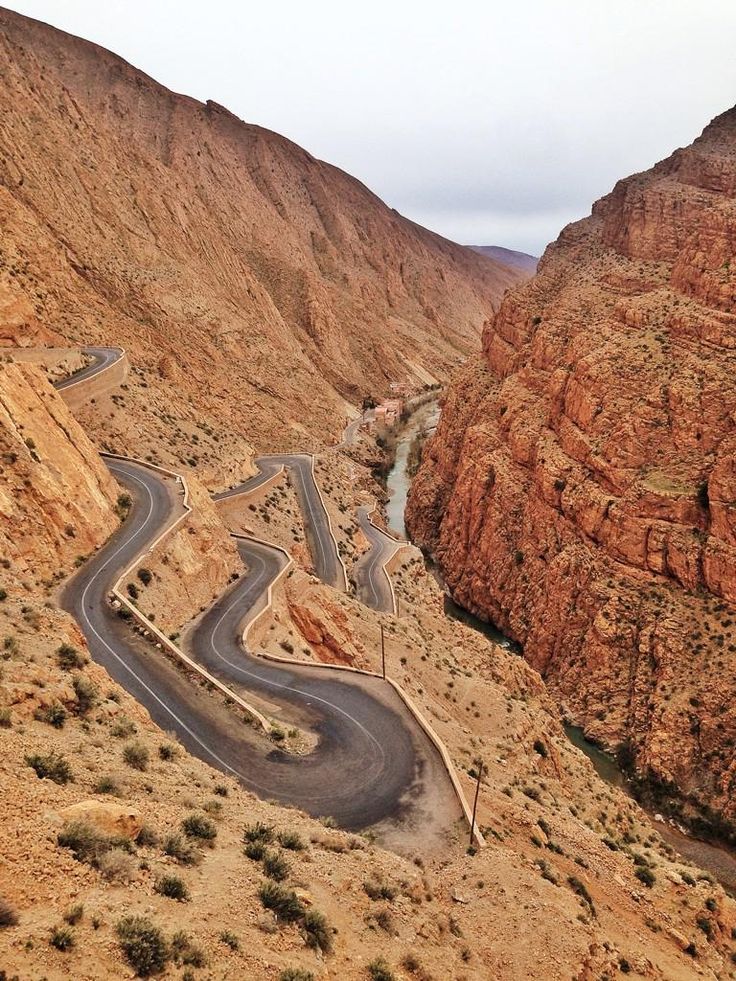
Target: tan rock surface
x,y
579,491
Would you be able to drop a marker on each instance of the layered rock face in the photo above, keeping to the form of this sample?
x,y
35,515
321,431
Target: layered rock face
x,y
244,277
57,497
581,490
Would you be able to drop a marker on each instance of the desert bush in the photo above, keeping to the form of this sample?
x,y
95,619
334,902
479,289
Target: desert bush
x,y
53,715
8,916
275,866
291,840
136,755
147,836
145,576
197,826
123,729
74,914
185,951
166,752
6,720
378,970
52,766
295,974
107,785
117,865
646,876
143,944
258,832
69,658
283,902
86,693
87,844
255,850
376,889
172,887
317,932
230,939
62,938
182,850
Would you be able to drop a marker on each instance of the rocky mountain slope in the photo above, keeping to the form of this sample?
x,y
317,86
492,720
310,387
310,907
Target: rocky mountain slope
x,y
509,257
580,488
242,275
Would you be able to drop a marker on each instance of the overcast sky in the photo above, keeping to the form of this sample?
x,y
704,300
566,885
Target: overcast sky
x,y
492,123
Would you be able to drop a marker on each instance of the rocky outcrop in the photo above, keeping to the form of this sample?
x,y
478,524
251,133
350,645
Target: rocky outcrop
x,y
57,497
241,274
580,488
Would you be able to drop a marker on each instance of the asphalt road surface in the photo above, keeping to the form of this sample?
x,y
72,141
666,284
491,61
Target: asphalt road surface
x,y
371,579
371,763
322,545
103,357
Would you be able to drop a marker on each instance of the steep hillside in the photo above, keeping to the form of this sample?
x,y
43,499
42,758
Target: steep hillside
x,y
256,284
509,257
580,488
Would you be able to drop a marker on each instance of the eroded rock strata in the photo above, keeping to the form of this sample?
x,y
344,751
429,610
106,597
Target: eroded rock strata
x,y
580,489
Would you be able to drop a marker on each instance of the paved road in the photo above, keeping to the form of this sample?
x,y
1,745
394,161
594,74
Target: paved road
x,y
371,763
322,545
103,357
371,579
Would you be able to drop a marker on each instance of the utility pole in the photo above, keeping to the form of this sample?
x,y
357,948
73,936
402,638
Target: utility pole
x,y
475,801
383,653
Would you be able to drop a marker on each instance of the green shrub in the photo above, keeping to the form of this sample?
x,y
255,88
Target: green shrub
x,y
52,766
143,945
147,837
107,785
54,715
87,844
132,590
166,752
275,866
86,694
317,931
62,938
123,729
378,970
646,876
136,755
197,826
74,914
258,832
295,974
185,951
283,902
230,939
291,840
182,850
145,576
255,850
69,658
379,890
172,887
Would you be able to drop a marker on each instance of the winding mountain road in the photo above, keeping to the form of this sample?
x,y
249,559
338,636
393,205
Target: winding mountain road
x,y
372,765
371,578
102,358
322,544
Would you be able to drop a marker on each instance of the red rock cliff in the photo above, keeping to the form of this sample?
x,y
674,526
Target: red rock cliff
x,y
581,490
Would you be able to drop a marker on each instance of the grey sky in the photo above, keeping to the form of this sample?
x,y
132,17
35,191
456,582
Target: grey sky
x,y
492,123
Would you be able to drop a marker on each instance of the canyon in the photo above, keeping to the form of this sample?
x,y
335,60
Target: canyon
x,y
579,490
259,295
